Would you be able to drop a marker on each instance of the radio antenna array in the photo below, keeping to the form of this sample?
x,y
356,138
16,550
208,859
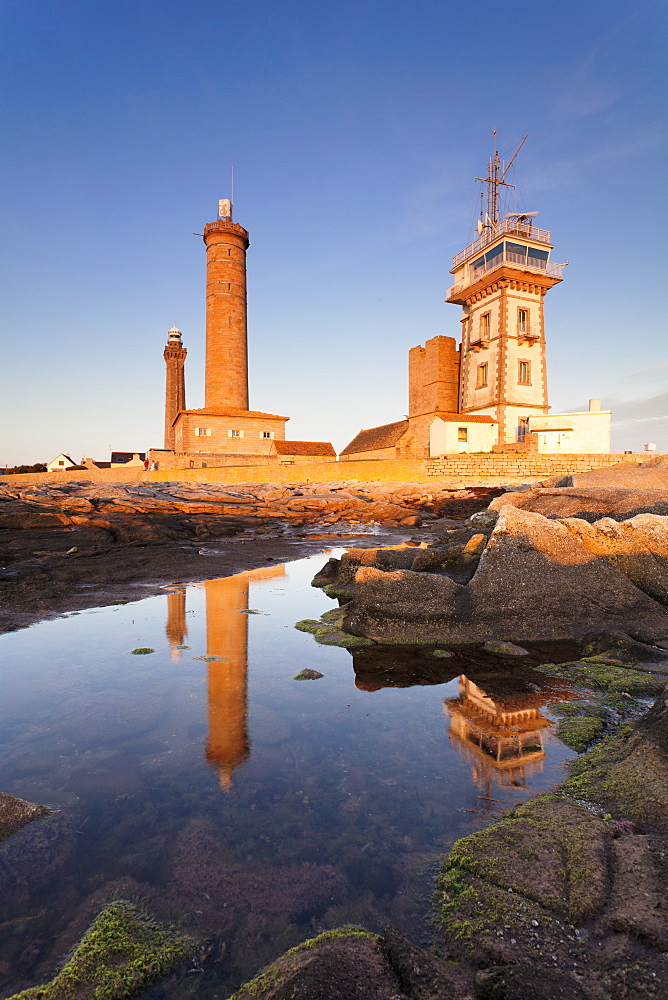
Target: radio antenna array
x,y
495,179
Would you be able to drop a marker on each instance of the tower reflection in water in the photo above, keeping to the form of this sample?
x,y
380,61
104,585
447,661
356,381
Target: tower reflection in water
x,y
502,739
176,628
227,639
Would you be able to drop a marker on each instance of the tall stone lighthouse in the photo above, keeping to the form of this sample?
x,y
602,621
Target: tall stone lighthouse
x,y
226,380
225,426
175,383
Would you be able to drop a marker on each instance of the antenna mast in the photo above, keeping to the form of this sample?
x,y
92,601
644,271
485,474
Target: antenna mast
x,y
494,181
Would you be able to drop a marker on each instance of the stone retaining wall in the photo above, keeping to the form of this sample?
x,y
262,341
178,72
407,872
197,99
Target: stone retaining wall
x,y
513,465
470,469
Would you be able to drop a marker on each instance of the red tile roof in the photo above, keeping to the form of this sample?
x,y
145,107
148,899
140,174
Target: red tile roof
x,y
232,412
375,438
304,448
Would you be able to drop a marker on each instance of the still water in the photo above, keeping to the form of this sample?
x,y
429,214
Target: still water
x,y
255,810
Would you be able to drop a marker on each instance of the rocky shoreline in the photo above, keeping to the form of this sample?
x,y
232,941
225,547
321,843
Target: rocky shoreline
x,y
564,896
74,546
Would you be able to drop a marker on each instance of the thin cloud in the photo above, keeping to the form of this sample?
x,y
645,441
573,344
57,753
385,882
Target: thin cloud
x,y
585,94
564,173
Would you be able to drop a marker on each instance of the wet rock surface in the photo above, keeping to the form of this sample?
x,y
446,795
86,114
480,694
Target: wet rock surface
x,y
123,951
75,545
589,503
15,813
351,962
525,578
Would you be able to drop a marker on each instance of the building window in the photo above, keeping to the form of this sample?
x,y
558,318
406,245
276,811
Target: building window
x,y
524,373
202,432
481,379
266,434
522,428
522,321
485,325
462,434
235,434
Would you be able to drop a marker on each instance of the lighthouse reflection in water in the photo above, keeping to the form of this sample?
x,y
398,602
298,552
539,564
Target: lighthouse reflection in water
x,y
502,739
227,614
501,736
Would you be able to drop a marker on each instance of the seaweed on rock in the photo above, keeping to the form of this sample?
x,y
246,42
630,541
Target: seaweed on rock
x,y
122,952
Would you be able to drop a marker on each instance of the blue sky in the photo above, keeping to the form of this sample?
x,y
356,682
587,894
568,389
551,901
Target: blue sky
x,y
355,129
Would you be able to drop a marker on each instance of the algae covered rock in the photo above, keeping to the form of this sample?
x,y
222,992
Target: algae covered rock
x,y
579,732
582,722
627,774
328,633
352,962
496,648
308,675
603,675
341,959
15,813
518,889
122,953
561,845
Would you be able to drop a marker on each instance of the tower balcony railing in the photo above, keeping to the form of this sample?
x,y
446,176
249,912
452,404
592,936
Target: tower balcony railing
x,y
518,260
528,332
509,227
221,225
479,339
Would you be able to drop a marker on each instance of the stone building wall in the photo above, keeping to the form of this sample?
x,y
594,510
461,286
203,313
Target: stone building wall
x,y
433,376
229,433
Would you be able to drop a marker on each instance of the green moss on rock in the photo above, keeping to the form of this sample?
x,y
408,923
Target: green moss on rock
x,y
338,592
308,625
605,676
566,708
559,843
119,955
627,775
328,633
606,658
619,701
272,976
483,921
579,732
331,636
334,617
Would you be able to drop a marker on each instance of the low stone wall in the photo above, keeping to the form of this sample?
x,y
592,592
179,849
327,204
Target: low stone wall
x,y
514,465
470,469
